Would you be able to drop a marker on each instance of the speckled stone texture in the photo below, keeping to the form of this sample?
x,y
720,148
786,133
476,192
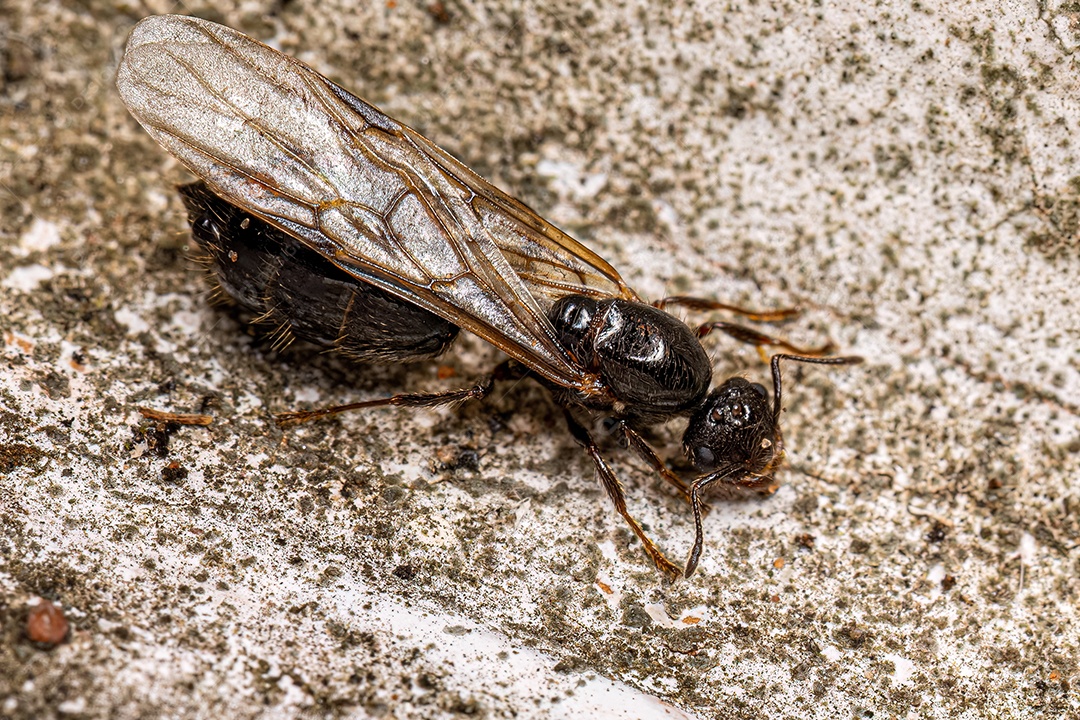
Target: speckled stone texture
x,y
908,175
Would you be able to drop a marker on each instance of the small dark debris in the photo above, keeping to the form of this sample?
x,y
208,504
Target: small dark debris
x,y
469,460
156,437
165,424
570,664
635,615
859,547
404,572
451,458
854,636
437,10
802,670
174,472
805,540
55,385
428,681
454,703
937,533
392,495
948,583
19,60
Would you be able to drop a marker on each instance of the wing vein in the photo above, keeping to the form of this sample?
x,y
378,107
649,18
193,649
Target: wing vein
x,y
266,132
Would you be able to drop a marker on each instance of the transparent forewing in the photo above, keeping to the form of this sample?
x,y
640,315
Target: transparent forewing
x,y
271,135
550,262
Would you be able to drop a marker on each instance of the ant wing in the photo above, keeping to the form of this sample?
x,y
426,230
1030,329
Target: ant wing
x,y
551,263
374,197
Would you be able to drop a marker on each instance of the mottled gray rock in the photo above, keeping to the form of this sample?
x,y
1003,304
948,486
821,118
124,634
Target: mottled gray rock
x,y
909,176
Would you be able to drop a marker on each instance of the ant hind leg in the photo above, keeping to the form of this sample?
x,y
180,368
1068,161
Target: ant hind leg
x,y
479,391
703,304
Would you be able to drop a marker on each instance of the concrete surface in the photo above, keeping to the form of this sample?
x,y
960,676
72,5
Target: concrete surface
x,y
907,173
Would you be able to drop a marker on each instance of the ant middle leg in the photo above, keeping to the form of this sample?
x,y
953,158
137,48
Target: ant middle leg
x,y
761,340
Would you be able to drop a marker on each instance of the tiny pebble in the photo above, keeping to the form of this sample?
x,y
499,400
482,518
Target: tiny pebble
x,y
46,624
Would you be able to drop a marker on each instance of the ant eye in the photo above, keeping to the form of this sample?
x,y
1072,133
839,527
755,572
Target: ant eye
x,y
759,389
732,415
704,457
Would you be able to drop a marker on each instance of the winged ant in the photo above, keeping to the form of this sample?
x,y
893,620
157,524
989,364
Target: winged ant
x,y
346,228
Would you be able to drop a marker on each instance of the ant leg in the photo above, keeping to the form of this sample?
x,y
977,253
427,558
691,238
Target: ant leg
x,y
761,340
695,303
615,491
426,400
429,400
646,453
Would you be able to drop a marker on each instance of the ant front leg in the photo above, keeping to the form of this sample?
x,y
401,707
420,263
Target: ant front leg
x,y
695,303
761,340
479,391
646,453
615,491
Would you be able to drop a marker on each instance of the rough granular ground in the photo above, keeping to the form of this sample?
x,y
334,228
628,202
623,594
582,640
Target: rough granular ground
x,y
907,175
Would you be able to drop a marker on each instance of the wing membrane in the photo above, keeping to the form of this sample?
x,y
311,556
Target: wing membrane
x,y
271,135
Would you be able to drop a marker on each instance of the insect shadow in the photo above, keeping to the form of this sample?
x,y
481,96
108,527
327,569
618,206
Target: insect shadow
x,y
338,225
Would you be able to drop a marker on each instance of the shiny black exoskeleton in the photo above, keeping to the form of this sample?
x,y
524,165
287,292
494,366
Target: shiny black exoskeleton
x,y
653,364
656,368
734,426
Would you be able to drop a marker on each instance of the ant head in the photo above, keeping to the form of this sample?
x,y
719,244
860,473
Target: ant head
x,y
734,437
735,429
